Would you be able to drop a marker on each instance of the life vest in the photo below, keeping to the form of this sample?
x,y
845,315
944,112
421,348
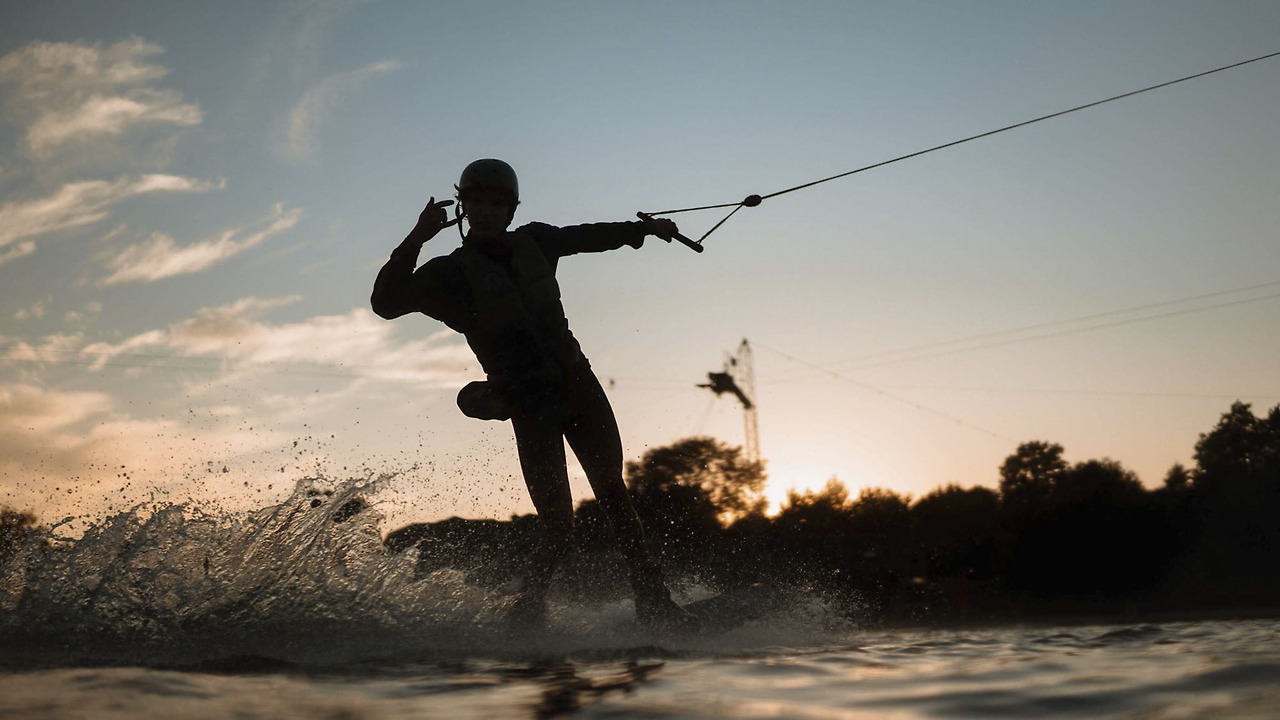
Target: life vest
x,y
517,323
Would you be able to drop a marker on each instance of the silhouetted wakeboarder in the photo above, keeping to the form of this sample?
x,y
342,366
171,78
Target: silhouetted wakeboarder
x,y
499,290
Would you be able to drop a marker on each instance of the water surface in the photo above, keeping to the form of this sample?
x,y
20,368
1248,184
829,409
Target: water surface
x,y
297,610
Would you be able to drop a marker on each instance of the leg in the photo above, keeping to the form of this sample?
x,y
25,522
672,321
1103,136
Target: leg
x,y
542,461
592,432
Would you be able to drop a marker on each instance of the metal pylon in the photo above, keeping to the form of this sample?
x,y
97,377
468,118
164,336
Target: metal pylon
x,y
739,379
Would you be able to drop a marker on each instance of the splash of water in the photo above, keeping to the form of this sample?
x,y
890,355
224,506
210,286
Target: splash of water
x,y
307,580
287,576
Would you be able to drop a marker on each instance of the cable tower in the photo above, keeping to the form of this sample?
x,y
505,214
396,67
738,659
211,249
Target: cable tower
x,y
738,378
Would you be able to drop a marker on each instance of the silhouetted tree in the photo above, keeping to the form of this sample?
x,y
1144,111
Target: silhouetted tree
x,y
1178,478
1236,487
1028,475
489,551
880,523
859,543
1182,516
829,502
684,491
1227,452
1095,483
1089,531
957,530
811,530
1111,537
881,512
733,485
810,519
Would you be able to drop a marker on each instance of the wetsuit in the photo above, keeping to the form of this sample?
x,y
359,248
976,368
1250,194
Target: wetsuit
x,y
542,375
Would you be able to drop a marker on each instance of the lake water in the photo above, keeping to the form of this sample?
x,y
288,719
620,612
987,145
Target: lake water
x,y
1177,670
297,610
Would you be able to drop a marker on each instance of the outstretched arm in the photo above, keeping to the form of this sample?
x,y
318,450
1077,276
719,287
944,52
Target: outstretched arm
x,y
594,237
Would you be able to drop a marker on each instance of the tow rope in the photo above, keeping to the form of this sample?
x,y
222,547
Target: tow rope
x,y
755,200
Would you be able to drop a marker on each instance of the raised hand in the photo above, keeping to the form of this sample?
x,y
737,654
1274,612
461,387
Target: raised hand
x,y
433,219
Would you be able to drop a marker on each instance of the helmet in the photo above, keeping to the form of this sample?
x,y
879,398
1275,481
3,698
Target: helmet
x,y
489,174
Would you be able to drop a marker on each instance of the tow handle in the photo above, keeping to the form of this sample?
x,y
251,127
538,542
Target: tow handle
x,y
696,247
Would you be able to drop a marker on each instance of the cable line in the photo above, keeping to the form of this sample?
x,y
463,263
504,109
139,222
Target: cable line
x,y
913,353
891,396
1067,331
754,200
1001,337
1051,391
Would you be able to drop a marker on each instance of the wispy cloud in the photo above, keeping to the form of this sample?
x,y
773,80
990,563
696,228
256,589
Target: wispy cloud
x,y
22,249
67,93
87,437
356,343
83,316
81,203
52,441
81,110
111,116
161,257
31,408
303,125
34,310
49,349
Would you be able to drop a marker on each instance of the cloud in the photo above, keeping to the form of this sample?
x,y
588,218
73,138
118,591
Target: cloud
x,y
81,203
357,344
110,116
34,409
22,249
75,453
303,125
99,354
150,420
84,107
69,93
161,257
50,349
69,431
84,316
34,310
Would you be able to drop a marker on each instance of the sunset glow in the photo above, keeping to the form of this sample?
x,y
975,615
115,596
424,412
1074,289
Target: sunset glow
x,y
194,204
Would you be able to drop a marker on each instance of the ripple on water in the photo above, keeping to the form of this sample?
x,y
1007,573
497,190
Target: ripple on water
x,y
297,610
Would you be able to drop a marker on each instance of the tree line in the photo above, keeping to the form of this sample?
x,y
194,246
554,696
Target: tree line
x,y
1052,536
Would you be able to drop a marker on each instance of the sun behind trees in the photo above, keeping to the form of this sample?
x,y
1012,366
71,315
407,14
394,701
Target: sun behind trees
x,y
1053,538
731,484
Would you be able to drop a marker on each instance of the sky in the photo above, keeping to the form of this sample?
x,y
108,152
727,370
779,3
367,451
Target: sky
x,y
195,199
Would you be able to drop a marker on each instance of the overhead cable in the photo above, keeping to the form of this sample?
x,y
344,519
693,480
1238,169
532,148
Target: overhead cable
x,y
883,393
1029,333
754,200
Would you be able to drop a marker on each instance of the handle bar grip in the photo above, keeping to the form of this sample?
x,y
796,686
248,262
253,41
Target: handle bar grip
x,y
683,240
